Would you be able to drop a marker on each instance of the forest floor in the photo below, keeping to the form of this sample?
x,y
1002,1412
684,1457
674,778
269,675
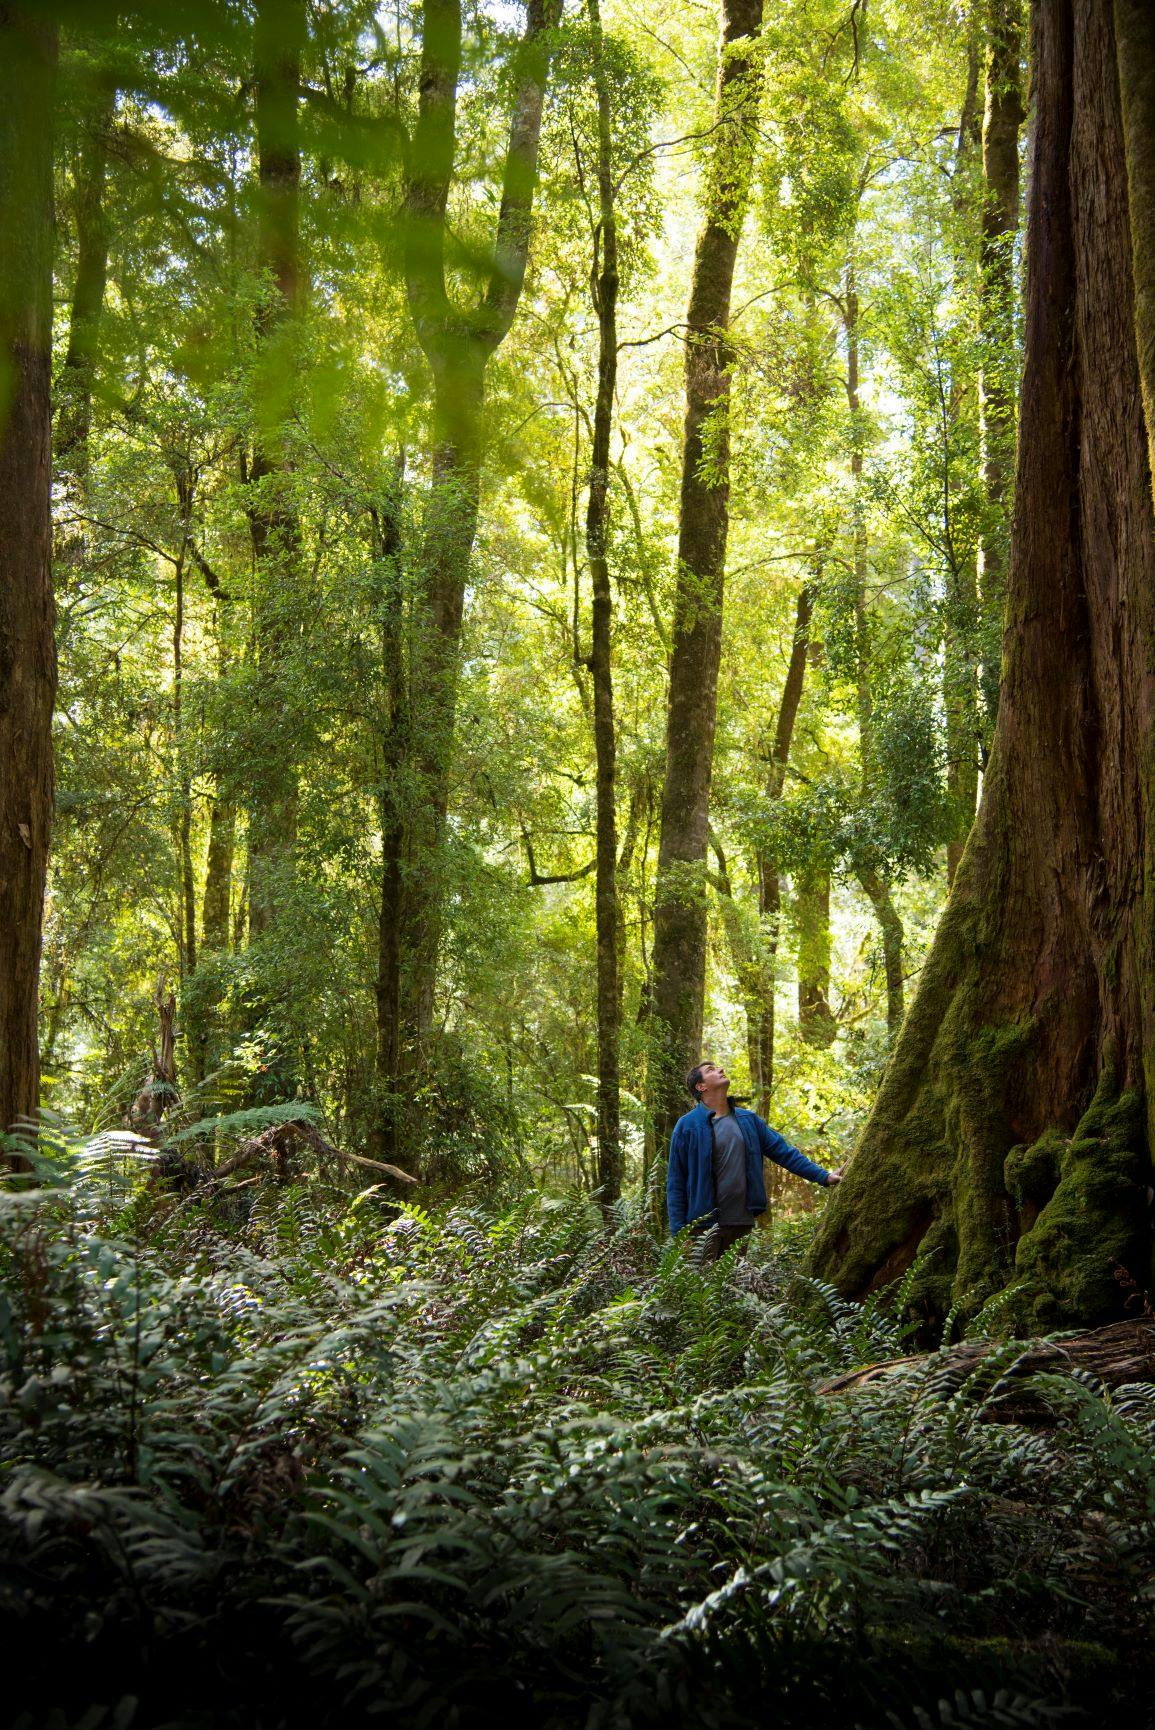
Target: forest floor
x,y
299,1456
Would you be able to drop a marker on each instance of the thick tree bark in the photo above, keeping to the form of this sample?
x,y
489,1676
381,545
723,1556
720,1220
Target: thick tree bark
x,y
1010,1143
680,904
997,301
27,647
601,647
1135,33
458,344
279,37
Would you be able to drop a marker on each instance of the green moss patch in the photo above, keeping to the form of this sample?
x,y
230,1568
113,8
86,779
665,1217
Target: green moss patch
x,y
1094,1221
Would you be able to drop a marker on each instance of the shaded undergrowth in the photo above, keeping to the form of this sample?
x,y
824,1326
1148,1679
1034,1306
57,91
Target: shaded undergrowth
x,y
315,1460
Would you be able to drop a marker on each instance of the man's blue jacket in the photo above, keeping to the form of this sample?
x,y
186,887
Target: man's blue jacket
x,y
690,1180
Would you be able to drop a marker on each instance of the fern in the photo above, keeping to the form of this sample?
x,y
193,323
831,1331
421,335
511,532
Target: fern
x,y
445,1464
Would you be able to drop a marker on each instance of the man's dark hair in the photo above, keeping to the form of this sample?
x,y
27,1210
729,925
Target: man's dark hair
x,y
693,1082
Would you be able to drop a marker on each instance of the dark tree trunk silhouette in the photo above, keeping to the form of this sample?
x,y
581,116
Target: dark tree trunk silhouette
x,y
74,415
679,962
28,53
601,647
1011,1139
279,36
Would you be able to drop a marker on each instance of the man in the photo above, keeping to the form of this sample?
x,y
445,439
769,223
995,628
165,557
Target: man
x,y
715,1181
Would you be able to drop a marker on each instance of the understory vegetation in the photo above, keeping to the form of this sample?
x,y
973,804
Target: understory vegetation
x,y
283,1453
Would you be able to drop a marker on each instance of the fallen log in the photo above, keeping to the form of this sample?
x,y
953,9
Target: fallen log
x,y
275,1147
1119,1353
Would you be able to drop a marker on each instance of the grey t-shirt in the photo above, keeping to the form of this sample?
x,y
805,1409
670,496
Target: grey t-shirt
x,y
730,1172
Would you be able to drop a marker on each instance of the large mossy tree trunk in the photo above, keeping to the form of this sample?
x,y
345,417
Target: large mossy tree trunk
x,y
28,53
1010,1142
680,911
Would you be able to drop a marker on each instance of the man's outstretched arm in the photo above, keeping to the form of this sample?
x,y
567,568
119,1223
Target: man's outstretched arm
x,y
777,1148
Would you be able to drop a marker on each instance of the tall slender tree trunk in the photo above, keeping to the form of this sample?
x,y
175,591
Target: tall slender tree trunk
x,y
754,941
279,37
679,960
997,303
28,52
961,704
186,893
601,649
383,1133
1011,1139
458,345
812,917
765,863
449,531
74,416
217,897
867,867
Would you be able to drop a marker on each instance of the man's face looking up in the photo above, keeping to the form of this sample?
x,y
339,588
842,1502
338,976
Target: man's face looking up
x,y
714,1084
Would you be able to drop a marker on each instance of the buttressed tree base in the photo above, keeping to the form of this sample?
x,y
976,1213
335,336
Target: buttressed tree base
x,y
1010,1142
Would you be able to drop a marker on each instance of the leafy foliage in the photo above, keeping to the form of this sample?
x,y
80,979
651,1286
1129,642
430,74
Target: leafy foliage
x,y
348,1458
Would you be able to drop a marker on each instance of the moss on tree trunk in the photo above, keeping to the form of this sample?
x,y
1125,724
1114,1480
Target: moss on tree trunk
x,y
1009,1144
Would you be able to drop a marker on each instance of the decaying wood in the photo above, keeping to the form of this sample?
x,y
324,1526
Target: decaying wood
x,y
159,1091
1121,1353
277,1145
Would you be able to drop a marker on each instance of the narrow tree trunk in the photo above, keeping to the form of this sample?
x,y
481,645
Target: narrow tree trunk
x,y
961,704
601,650
766,865
867,866
219,874
273,520
754,941
703,519
1010,1142
446,548
186,889
74,417
812,890
997,301
383,1135
458,345
27,647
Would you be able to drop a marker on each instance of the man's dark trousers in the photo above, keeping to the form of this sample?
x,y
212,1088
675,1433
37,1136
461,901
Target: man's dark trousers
x,y
712,1244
